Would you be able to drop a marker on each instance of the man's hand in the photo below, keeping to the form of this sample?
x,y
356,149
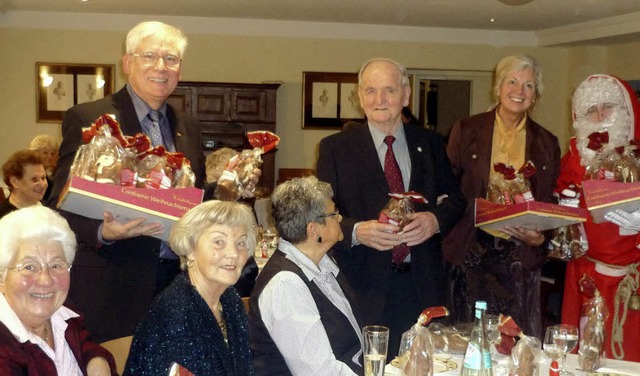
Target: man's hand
x,y
380,236
534,238
250,188
114,230
423,225
629,222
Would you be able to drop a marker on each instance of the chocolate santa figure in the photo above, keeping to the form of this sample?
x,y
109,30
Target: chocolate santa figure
x,y
605,104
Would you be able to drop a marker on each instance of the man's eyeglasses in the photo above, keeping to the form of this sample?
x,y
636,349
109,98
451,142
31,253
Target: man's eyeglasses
x,y
329,215
32,269
150,58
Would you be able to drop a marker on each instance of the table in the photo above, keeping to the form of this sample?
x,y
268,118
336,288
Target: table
x,y
612,366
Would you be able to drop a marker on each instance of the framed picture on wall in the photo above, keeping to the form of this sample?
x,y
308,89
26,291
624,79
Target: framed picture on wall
x,y
60,86
329,100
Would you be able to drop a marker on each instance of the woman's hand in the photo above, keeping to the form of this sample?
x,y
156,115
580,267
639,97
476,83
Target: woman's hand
x,y
534,238
98,366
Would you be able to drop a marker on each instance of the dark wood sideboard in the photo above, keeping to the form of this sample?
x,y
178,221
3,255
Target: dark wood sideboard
x,y
227,111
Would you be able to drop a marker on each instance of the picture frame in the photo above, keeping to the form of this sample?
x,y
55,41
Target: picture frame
x,y
329,100
60,86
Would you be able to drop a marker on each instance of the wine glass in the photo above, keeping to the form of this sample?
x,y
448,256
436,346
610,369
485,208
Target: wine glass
x,y
549,345
565,337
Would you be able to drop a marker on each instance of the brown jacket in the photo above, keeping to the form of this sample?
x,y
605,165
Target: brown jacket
x,y
469,150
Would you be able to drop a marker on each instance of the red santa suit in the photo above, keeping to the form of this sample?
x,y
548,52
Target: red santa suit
x,y
612,260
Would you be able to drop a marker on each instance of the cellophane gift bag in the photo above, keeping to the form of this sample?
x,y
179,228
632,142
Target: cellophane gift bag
x,y
398,208
415,356
592,332
236,174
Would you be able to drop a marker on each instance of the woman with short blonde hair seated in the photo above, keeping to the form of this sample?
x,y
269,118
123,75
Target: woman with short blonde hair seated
x,y
38,335
199,321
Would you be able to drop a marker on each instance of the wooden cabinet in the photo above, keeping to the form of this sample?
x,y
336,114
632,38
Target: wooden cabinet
x,y
227,111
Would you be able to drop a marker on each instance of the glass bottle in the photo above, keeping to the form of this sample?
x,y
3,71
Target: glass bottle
x,y
477,358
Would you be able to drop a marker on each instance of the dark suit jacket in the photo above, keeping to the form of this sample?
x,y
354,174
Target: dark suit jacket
x,y
114,285
469,150
349,162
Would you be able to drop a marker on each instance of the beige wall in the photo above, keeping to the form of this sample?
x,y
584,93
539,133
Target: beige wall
x,y
255,59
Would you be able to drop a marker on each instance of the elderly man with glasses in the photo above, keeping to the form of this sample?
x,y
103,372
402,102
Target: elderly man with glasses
x,y
120,268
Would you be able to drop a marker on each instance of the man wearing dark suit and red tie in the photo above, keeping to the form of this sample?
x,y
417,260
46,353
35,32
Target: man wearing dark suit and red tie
x,y
396,274
119,268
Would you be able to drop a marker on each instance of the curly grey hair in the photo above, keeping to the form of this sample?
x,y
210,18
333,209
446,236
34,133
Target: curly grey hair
x,y
296,203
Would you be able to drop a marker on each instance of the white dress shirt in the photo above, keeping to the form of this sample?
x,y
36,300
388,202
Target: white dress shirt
x,y
292,318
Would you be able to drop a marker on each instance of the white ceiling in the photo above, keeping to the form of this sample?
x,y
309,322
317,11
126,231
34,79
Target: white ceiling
x,y
540,16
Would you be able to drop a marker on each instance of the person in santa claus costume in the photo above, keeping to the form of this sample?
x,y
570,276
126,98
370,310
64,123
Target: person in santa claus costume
x,y
604,103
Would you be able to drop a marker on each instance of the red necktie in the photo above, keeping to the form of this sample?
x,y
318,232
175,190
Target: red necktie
x,y
394,180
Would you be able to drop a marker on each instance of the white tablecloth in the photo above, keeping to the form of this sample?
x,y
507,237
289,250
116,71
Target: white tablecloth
x,y
617,367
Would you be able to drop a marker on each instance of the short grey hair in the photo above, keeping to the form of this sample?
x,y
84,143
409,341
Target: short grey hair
x,y
296,203
401,69
170,34
185,233
35,223
516,63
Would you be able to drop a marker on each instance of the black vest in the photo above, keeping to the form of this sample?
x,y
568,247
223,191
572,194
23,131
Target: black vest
x,y
344,342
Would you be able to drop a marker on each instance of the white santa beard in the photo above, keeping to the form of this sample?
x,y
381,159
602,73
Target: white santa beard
x,y
618,127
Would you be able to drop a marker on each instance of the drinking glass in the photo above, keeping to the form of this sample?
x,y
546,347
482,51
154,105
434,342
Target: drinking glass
x,y
270,237
376,340
491,323
565,337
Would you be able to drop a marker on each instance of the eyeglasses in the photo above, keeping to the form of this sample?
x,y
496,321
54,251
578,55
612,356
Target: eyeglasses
x,y
329,215
151,58
32,269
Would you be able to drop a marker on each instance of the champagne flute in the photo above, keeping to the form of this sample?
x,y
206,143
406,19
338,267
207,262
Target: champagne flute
x,y
566,339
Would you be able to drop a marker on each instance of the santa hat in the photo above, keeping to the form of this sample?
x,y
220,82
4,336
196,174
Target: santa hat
x,y
604,88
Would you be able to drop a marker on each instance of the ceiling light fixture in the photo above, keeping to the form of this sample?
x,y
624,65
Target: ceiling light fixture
x,y
515,2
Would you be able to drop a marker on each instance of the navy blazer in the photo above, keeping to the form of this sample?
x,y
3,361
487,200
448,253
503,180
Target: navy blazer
x,y
114,284
349,162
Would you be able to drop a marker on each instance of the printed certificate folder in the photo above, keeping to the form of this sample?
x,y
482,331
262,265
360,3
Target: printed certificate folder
x,y
530,215
604,196
91,199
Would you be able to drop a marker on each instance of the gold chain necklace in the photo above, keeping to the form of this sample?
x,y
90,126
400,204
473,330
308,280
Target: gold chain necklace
x,y
222,324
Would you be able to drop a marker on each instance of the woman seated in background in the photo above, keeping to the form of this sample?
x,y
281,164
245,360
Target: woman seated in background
x,y
38,335
301,320
47,148
26,178
199,321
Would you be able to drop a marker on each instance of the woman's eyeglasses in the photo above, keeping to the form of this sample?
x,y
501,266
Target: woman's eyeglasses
x,y
329,215
31,269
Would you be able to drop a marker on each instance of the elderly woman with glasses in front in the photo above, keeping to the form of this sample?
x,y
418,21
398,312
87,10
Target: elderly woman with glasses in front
x,y
38,335
301,320
199,321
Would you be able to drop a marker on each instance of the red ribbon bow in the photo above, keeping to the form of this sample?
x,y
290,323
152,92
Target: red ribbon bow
x,y
597,140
